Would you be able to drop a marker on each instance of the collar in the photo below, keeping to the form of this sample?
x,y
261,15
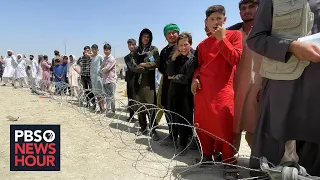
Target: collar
x,y
190,55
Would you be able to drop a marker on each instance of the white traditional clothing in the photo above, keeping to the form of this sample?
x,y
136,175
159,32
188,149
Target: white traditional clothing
x,y
9,64
39,75
20,72
73,76
34,66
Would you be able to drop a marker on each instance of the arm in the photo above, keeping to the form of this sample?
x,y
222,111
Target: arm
x,y
46,64
79,61
110,64
55,73
231,48
188,68
260,39
161,67
171,67
156,62
133,66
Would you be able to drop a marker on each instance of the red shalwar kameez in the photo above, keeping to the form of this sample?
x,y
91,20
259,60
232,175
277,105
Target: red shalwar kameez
x,y
214,101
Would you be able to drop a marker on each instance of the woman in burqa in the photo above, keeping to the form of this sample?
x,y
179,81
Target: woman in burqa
x,y
289,108
145,59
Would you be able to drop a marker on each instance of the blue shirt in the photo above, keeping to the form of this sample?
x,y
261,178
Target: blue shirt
x,y
58,72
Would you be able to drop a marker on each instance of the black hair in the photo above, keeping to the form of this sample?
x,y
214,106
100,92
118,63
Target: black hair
x,y
185,35
107,47
94,46
45,57
243,2
86,47
131,41
57,60
215,8
56,52
65,57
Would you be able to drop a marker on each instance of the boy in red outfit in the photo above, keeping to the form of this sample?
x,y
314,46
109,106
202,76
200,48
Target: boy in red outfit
x,y
212,87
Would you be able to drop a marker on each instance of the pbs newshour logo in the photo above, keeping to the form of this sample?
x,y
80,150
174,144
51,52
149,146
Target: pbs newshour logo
x,y
35,148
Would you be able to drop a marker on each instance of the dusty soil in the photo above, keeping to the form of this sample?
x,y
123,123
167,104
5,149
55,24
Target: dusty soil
x,y
92,146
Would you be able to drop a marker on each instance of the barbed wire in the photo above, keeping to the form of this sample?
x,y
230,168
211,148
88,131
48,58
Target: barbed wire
x,y
60,92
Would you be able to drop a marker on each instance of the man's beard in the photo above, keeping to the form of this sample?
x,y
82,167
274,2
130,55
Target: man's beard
x,y
9,54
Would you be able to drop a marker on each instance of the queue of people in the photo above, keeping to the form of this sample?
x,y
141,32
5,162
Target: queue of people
x,y
252,77
226,86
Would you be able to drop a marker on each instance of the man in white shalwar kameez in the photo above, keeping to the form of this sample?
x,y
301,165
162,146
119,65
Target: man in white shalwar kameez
x,y
9,64
34,66
20,72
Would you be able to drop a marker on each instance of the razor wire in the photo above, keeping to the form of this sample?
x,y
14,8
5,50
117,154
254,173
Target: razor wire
x,y
61,92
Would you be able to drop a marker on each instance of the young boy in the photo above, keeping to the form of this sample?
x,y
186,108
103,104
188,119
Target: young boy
x,y
109,76
59,78
95,76
212,87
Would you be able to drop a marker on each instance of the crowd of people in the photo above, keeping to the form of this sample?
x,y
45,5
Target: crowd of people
x,y
226,86
94,72
252,77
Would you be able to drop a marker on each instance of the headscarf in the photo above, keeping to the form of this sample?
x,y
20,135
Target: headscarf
x,y
40,58
10,51
74,60
172,27
20,56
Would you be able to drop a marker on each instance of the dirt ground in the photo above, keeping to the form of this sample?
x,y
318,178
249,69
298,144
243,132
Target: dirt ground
x,y
95,147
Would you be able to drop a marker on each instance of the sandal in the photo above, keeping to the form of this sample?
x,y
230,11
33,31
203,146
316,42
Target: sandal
x,y
230,172
206,160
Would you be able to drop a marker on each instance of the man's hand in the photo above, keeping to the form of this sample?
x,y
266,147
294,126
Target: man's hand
x,y
143,64
305,51
258,96
170,77
87,54
219,33
195,85
175,55
104,70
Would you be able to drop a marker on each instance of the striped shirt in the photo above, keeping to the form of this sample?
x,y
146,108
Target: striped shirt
x,y
84,63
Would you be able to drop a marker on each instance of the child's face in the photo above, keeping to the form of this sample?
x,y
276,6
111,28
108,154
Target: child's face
x,y
87,51
65,60
184,46
94,51
214,20
107,52
57,63
145,39
132,47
